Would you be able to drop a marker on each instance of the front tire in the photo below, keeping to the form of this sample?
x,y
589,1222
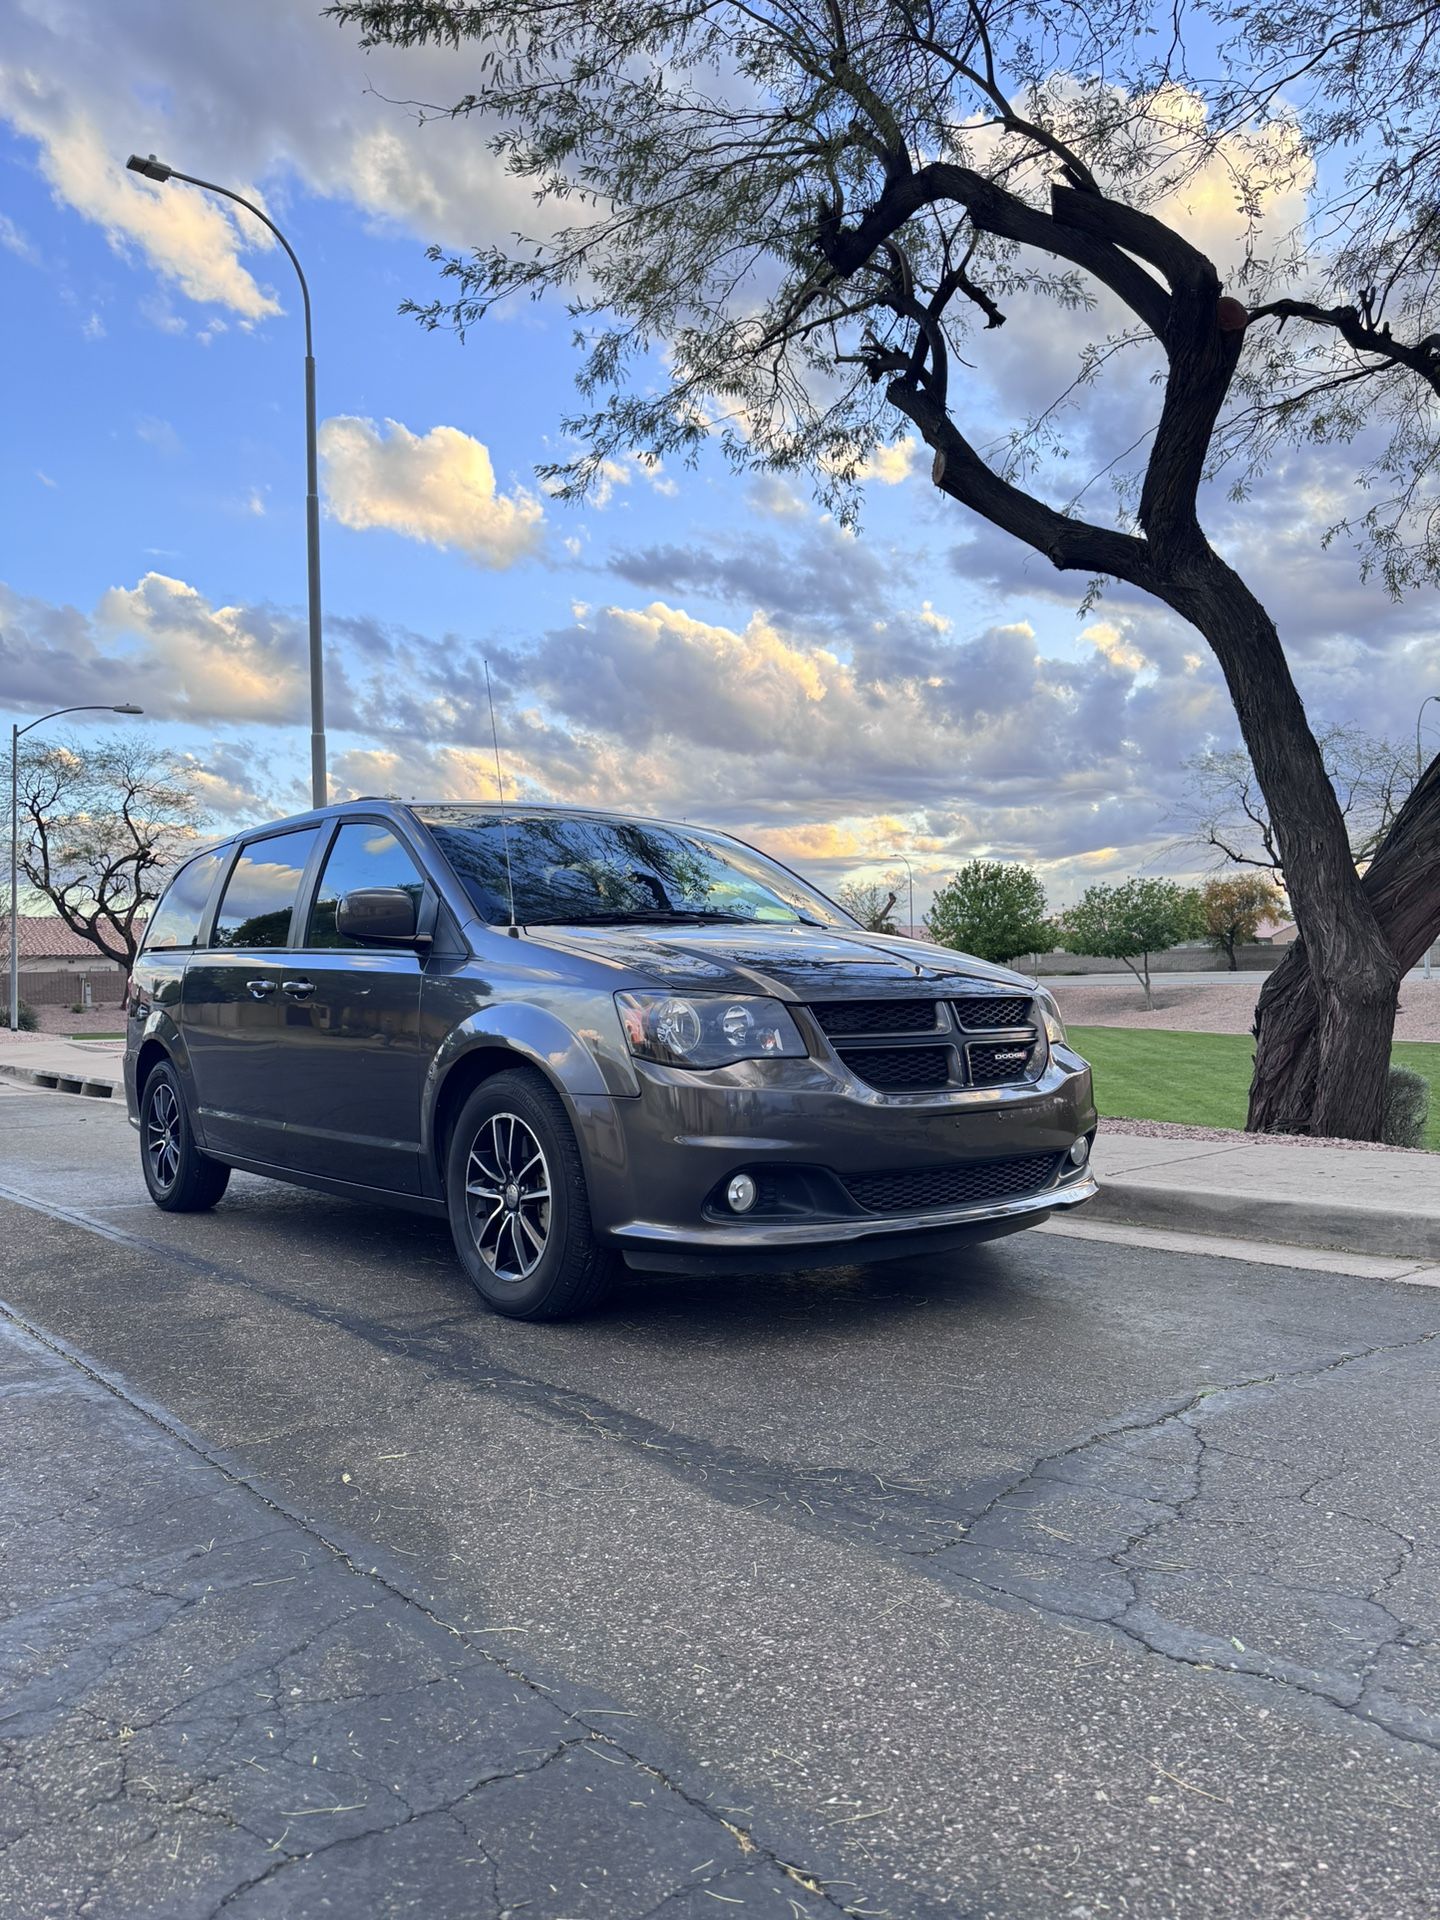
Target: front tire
x,y
518,1205
181,1178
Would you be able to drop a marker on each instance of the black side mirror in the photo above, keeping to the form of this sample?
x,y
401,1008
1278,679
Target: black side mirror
x,y
378,917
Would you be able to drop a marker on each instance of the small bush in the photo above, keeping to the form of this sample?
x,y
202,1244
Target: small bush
x,y
1407,1109
28,1021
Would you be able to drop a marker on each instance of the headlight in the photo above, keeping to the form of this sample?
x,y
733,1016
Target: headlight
x,y
1050,1018
707,1030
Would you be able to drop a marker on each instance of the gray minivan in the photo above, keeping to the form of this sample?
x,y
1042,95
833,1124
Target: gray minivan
x,y
584,1037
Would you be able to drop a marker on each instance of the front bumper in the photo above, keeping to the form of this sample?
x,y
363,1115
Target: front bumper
x,y
656,1162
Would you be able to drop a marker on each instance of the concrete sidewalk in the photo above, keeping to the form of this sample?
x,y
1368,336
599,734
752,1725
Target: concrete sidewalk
x,y
1332,1197
67,1066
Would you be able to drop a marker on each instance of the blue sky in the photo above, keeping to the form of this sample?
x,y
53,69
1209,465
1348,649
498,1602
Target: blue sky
x,y
689,642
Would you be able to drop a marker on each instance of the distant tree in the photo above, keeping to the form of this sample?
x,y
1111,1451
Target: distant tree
x,y
101,826
1132,921
1224,810
994,909
1234,904
872,906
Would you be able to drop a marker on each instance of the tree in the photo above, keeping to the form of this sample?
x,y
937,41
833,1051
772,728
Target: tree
x,y
1233,905
994,909
871,905
809,209
1132,921
102,826
1224,810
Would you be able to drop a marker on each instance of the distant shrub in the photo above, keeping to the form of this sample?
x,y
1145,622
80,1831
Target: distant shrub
x,y
28,1021
1407,1108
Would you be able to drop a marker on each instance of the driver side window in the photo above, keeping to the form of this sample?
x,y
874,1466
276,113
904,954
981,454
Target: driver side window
x,y
364,853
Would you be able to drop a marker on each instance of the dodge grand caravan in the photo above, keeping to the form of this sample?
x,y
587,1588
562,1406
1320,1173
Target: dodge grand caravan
x,y
587,1038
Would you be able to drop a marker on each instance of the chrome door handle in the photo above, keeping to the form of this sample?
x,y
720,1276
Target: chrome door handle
x,y
298,989
260,988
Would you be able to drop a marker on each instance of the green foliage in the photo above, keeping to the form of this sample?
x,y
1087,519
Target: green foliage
x,y
1407,1109
1233,905
994,909
29,1021
1132,921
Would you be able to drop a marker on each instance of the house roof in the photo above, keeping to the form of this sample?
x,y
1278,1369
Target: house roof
x,y
45,936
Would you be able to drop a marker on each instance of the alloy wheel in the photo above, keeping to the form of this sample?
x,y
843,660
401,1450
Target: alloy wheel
x,y
507,1197
162,1135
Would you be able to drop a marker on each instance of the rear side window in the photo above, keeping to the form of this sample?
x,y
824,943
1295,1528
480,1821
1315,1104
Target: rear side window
x,y
177,919
365,854
260,894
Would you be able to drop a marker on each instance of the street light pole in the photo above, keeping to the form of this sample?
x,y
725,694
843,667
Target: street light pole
x,y
16,730
911,876
154,169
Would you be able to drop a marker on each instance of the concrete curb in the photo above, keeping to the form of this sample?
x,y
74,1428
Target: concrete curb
x,y
1331,1224
98,1086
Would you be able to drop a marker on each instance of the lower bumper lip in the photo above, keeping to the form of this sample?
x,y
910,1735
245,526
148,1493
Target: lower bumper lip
x,y
823,1233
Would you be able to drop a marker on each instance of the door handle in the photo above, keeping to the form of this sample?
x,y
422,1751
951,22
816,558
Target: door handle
x,y
260,988
298,989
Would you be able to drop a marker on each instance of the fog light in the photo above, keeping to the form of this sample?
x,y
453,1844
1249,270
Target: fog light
x,y
741,1193
1080,1152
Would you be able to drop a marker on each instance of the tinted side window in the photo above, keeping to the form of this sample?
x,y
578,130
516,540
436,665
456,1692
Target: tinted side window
x,y
177,919
260,894
365,854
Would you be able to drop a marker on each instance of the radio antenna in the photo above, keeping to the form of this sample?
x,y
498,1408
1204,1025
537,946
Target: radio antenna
x,y
500,783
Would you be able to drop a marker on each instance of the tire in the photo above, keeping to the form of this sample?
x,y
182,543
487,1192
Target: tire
x,y
528,1257
181,1178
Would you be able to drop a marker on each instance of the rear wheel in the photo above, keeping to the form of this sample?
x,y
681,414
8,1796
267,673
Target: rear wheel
x,y
180,1177
519,1210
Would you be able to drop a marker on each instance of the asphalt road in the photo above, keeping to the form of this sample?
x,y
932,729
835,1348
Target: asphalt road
x,y
1065,1579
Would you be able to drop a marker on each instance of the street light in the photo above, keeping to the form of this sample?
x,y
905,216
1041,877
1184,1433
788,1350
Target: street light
x,y
16,730
153,169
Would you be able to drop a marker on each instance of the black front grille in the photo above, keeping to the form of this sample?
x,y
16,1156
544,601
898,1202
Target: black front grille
x,y
899,1069
971,1184
998,1063
843,1018
993,1010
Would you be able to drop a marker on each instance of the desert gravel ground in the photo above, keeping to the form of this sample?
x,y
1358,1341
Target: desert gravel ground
x,y
1224,1007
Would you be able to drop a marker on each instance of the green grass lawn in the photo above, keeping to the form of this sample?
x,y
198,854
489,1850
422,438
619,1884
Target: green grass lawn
x,y
1202,1079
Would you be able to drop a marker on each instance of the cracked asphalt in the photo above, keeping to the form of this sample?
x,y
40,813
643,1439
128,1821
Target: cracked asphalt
x,y
1067,1578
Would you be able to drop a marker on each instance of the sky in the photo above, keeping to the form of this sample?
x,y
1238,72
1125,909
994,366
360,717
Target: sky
x,y
688,642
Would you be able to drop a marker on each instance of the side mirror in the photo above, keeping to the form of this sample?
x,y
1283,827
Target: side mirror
x,y
378,917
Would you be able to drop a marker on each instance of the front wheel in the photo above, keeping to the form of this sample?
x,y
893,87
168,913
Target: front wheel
x,y
180,1177
519,1211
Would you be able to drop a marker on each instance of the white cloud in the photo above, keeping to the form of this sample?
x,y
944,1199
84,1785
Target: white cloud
x,y
16,242
891,464
240,94
226,663
183,233
438,487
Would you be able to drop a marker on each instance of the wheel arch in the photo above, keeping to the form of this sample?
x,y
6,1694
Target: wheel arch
x,y
152,1053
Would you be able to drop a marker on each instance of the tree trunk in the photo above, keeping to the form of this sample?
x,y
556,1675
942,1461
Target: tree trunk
x,y
1230,953
1402,886
1353,972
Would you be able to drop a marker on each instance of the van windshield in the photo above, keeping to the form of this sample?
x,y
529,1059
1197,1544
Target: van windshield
x,y
570,870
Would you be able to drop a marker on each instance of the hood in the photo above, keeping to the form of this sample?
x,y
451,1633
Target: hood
x,y
787,962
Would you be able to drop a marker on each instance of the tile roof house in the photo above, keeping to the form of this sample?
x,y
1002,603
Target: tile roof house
x,y
46,943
